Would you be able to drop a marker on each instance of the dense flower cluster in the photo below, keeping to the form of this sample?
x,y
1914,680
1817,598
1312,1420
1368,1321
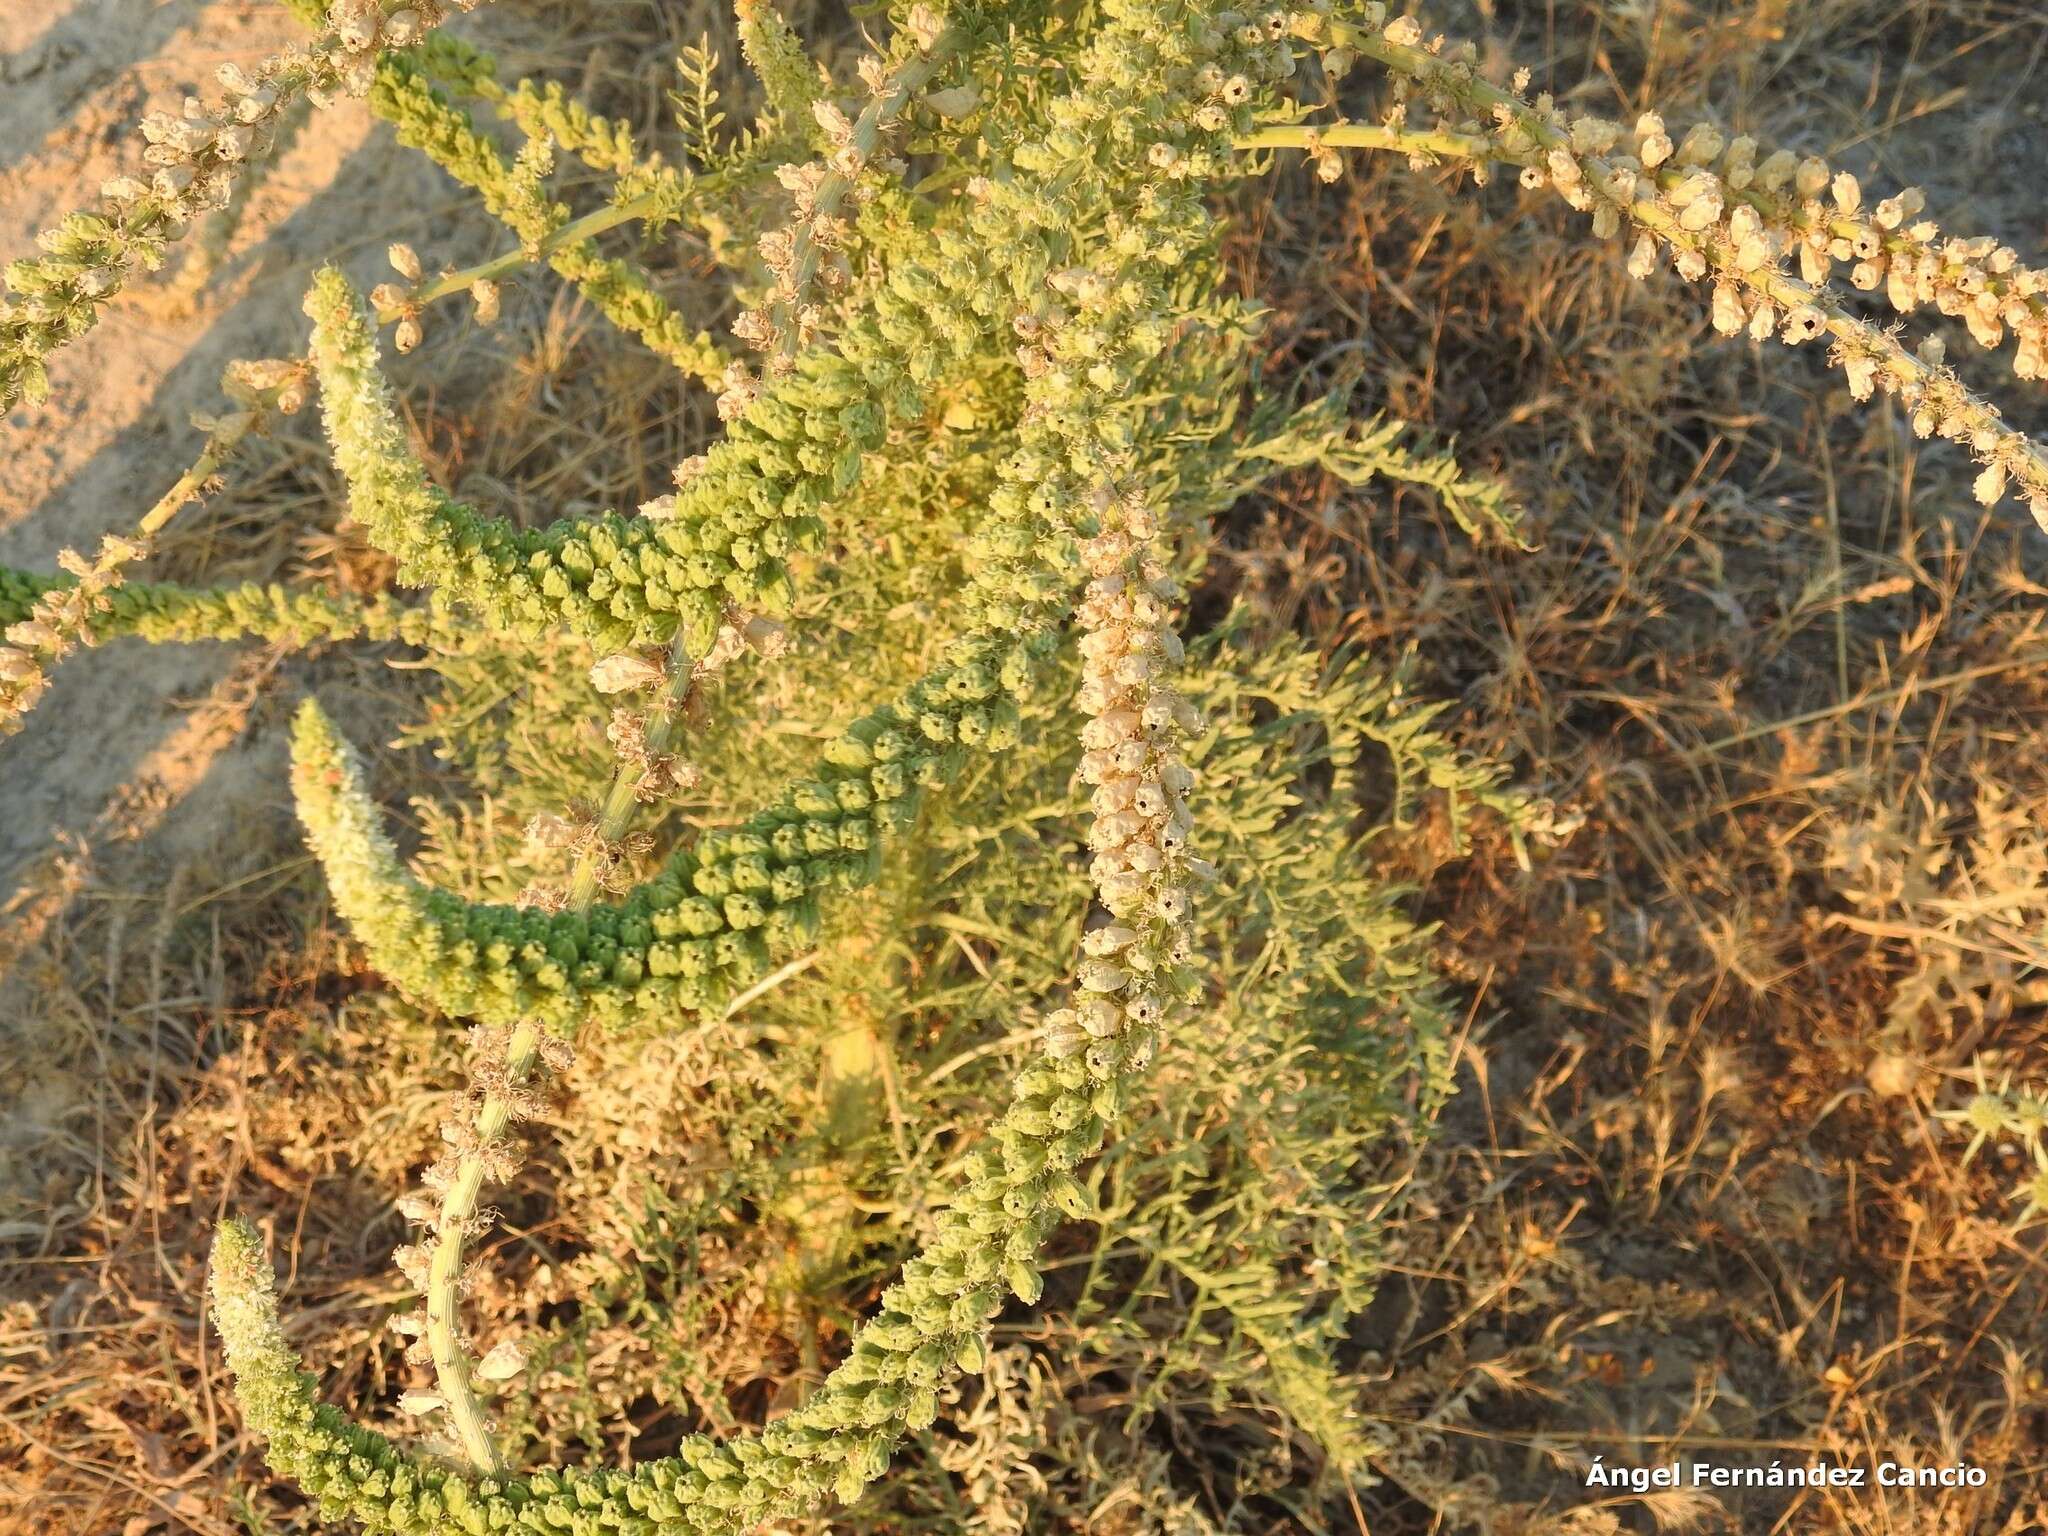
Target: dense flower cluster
x,y
601,844
792,83
161,612
621,581
806,256
707,923
1073,507
1889,246
405,95
1069,274
1722,215
195,158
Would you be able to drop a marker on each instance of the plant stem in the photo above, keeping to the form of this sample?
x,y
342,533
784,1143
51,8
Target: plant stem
x,y
595,223
457,1215
1409,141
880,111
1963,416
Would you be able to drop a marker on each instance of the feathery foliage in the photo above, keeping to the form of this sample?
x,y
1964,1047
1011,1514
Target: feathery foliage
x,y
976,428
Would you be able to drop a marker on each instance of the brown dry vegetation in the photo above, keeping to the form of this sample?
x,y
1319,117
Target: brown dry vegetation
x,y
1692,1200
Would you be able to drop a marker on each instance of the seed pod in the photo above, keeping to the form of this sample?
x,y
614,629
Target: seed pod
x,y
403,28
505,1361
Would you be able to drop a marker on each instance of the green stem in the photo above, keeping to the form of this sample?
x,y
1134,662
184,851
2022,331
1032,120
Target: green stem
x,y
1410,141
1960,415
459,1203
576,230
880,111
456,1217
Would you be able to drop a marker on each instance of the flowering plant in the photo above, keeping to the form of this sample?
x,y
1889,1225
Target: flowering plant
x,y
1064,261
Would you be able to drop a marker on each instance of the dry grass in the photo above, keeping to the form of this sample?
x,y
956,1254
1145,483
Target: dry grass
x,y
1692,1201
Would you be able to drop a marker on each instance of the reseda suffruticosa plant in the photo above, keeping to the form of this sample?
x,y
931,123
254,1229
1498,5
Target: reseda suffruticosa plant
x,y
1061,267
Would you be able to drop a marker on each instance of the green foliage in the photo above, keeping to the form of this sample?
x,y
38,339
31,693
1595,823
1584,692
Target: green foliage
x,y
621,581
711,919
791,82
164,611
1058,516
406,96
995,415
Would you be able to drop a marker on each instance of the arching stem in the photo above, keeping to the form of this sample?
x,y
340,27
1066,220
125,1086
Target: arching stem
x,y
457,1216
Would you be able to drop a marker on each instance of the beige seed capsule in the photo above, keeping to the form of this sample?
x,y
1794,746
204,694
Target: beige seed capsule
x,y
403,28
1702,212
503,1362
1777,170
1702,145
356,25
1108,940
1727,310
1642,261
1098,1017
1119,890
1803,324
1113,796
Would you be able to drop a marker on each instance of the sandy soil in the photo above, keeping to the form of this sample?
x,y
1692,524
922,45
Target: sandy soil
x,y
166,757
105,754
